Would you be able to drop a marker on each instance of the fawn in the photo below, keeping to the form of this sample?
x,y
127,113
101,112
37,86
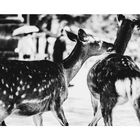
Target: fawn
x,y
115,78
34,87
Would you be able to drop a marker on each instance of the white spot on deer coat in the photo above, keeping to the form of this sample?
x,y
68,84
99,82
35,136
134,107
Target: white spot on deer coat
x,y
23,88
49,83
6,69
2,81
39,90
11,89
10,96
21,82
28,86
44,81
30,76
27,67
52,80
35,90
23,96
16,93
7,85
18,88
4,92
20,72
9,106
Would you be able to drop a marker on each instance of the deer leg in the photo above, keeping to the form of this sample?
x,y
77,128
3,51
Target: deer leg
x,y
107,105
2,123
96,112
3,115
138,114
38,120
95,104
136,105
107,115
96,118
59,114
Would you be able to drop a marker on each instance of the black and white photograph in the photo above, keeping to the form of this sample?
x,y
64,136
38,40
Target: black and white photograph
x,y
69,69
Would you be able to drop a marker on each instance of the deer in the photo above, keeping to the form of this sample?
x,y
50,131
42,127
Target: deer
x,y
115,78
30,88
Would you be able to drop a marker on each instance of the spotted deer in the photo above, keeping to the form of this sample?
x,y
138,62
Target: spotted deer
x,y
115,78
30,88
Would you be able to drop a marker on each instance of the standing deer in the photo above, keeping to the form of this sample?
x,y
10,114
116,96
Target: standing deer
x,y
34,87
115,78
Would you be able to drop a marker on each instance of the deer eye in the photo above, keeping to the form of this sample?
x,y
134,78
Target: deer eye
x,y
97,41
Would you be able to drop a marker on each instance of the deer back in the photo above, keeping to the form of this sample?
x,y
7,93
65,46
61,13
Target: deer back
x,y
106,72
30,82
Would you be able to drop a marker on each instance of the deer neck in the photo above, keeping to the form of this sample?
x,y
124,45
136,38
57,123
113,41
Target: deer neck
x,y
123,36
74,62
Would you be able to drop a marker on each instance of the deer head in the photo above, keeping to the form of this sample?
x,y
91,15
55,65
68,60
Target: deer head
x,y
86,46
124,33
90,45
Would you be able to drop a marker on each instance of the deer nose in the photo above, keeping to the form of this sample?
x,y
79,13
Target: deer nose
x,y
109,47
100,44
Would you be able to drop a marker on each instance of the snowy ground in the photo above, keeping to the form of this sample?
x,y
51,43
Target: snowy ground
x,y
78,108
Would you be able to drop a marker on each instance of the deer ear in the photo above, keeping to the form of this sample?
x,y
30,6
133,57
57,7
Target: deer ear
x,y
120,18
71,36
82,35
